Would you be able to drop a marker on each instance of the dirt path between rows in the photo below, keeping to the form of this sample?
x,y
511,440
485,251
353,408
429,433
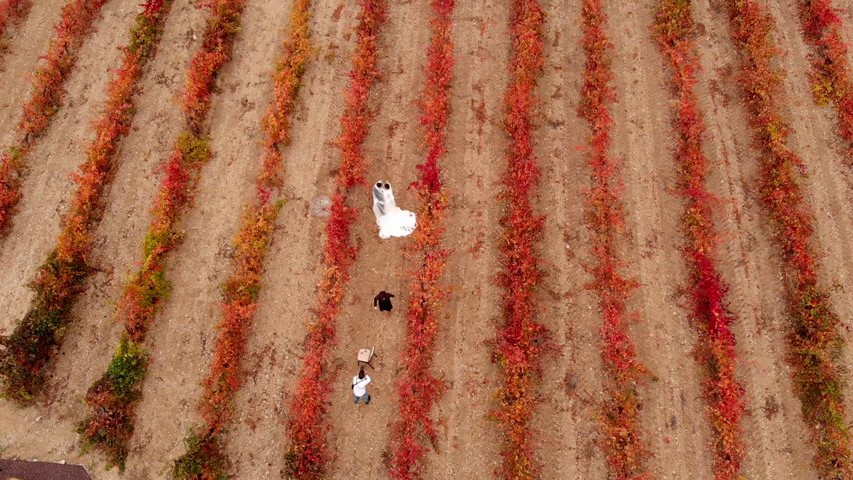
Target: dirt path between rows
x,y
567,419
468,442
392,149
257,440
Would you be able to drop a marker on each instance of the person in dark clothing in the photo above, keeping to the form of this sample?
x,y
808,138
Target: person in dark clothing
x,y
383,301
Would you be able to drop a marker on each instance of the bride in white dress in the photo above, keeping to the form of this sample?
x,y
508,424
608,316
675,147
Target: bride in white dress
x,y
392,221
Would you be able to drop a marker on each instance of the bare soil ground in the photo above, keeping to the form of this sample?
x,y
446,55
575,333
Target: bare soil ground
x,y
673,415
571,387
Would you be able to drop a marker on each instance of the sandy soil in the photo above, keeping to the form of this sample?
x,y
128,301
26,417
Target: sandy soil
x,y
673,415
572,380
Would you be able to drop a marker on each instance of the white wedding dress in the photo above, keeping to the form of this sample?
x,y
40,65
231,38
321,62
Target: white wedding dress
x,y
392,221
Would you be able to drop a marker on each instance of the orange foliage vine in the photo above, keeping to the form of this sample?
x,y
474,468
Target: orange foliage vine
x,y
623,446
307,452
418,388
814,341
520,338
674,29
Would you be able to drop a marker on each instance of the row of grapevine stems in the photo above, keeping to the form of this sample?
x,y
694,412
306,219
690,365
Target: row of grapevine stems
x,y
814,342
674,30
205,454
307,453
113,398
60,277
418,388
12,13
75,24
623,446
830,74
520,340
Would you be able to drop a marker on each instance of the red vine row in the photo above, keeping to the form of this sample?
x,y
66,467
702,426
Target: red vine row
x,y
830,70
75,24
623,446
813,338
418,388
60,278
674,29
12,12
307,452
520,339
205,456
114,397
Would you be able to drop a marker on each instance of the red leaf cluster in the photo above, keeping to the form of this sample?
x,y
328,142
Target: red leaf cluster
x,y
418,388
286,82
674,29
60,276
243,286
75,24
830,69
814,342
520,339
148,286
626,454
12,12
307,452
215,51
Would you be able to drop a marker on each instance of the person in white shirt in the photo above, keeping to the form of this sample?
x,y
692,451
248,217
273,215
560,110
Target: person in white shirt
x,y
359,387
